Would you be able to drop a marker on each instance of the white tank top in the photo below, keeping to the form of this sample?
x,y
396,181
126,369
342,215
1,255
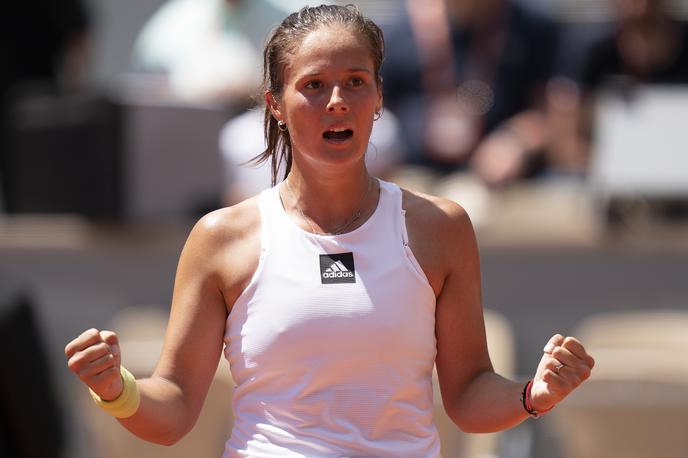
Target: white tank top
x,y
332,343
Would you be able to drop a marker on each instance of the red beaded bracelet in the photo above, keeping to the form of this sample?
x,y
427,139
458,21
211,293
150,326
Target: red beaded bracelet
x,y
527,402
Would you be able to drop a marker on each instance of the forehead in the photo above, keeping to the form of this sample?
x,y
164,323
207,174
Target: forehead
x,y
330,47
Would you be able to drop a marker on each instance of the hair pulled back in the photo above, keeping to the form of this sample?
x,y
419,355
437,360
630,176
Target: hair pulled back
x,y
284,42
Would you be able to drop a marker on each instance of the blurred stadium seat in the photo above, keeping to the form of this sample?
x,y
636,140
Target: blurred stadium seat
x,y
636,402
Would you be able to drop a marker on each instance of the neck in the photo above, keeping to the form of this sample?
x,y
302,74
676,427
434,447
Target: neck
x,y
329,204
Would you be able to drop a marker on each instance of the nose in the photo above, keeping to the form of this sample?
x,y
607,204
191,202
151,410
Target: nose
x,y
337,102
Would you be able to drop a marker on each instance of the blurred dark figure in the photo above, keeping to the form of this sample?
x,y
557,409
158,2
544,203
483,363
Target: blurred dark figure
x,y
44,42
467,79
647,46
31,423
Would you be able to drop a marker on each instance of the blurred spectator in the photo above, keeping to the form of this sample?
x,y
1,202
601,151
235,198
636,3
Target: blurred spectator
x,y
44,42
645,46
209,49
467,79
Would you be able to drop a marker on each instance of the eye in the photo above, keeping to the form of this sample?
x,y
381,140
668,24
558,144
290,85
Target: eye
x,y
356,81
313,84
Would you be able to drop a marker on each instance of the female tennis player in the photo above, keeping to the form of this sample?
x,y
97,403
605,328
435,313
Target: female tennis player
x,y
333,293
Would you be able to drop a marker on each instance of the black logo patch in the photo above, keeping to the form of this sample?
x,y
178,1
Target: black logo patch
x,y
337,268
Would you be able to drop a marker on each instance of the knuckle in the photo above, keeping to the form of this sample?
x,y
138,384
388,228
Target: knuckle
x,y
558,352
585,374
101,347
73,364
108,335
78,360
573,344
95,351
91,333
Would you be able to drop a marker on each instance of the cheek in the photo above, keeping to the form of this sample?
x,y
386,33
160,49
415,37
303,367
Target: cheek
x,y
304,122
303,119
301,110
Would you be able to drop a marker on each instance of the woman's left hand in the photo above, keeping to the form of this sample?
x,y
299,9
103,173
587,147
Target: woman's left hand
x,y
565,364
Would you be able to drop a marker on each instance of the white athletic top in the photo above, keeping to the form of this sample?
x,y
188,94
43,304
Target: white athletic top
x,y
332,343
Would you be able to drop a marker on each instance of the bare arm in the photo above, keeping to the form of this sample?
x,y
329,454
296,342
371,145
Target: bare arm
x,y
475,397
171,399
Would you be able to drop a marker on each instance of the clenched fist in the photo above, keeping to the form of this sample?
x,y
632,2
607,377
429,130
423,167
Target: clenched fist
x,y
95,357
565,364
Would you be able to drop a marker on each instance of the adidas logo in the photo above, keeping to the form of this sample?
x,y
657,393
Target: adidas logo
x,y
337,268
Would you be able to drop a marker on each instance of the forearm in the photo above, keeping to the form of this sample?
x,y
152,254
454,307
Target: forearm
x,y
163,416
489,403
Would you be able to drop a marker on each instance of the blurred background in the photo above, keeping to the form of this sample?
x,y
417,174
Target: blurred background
x,y
560,125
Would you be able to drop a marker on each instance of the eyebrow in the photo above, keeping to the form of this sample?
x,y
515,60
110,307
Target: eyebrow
x,y
359,69
349,70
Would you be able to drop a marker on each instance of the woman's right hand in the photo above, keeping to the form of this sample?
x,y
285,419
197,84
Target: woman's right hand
x,y
95,358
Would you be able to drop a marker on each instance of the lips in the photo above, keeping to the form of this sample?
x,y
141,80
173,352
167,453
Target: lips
x,y
338,134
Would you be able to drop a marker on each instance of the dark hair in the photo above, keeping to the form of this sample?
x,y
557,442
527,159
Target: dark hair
x,y
285,41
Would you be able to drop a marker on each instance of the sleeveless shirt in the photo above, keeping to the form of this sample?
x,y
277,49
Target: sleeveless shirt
x,y
332,343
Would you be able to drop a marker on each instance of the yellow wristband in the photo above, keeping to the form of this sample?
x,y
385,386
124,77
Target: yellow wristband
x,y
127,403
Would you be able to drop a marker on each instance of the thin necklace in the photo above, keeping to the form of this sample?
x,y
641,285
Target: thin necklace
x,y
339,230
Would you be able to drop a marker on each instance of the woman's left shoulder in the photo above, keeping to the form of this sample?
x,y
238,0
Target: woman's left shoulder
x,y
440,235
437,215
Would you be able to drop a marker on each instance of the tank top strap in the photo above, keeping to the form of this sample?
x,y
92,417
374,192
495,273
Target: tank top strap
x,y
398,213
268,203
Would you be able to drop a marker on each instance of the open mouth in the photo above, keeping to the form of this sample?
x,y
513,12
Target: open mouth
x,y
338,135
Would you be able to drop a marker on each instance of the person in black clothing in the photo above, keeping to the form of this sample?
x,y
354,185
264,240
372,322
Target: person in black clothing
x,y
466,79
646,46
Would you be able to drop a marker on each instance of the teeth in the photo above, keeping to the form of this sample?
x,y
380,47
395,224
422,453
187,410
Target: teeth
x,y
338,129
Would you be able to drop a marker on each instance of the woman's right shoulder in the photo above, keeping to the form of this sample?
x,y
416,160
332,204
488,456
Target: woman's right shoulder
x,y
222,251
228,225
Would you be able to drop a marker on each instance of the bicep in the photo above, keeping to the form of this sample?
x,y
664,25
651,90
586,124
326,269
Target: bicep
x,y
461,341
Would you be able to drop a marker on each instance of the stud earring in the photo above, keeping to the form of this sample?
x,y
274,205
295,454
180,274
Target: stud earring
x,y
282,126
